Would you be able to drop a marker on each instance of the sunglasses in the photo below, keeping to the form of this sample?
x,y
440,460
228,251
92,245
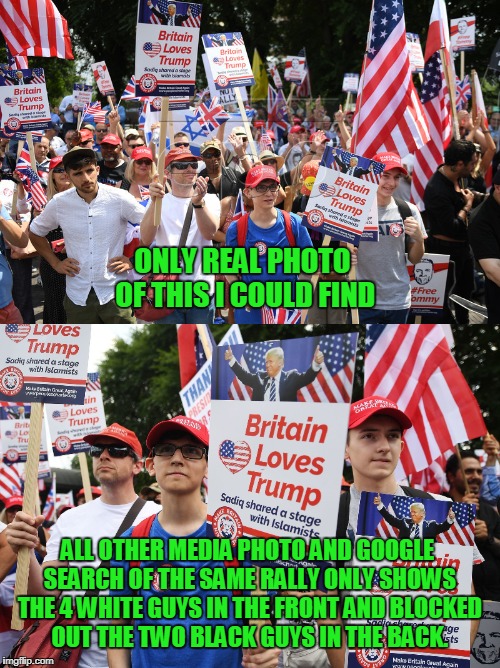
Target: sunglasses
x,y
181,145
211,155
144,161
184,165
271,161
58,170
102,130
263,189
115,451
188,451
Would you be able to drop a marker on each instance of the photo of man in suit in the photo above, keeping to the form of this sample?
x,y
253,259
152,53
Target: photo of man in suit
x,y
415,526
171,18
352,168
274,384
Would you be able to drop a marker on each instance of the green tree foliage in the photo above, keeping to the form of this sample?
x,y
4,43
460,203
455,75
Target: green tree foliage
x,y
334,33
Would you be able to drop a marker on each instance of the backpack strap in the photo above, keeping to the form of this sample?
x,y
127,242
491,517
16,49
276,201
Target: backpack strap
x,y
288,229
142,530
343,516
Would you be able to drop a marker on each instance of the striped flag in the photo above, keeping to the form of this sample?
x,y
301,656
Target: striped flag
x,y
234,456
436,101
265,142
49,509
92,113
16,62
389,115
30,179
144,192
281,316
93,382
211,114
433,478
35,28
10,481
193,20
463,92
304,89
191,353
413,366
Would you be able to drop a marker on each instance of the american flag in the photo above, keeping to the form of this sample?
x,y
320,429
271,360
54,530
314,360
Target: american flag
x,y
389,116
17,333
345,158
332,384
16,62
211,114
49,509
191,353
30,180
304,89
239,207
433,478
92,113
235,456
10,481
194,20
281,316
60,415
277,116
413,366
237,39
463,92
265,142
35,28
326,190
436,101
461,532
93,382
11,433
37,75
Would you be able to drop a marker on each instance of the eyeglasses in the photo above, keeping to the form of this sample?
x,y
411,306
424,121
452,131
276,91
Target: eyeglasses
x,y
114,451
184,165
271,161
261,188
211,155
181,144
188,451
144,161
58,170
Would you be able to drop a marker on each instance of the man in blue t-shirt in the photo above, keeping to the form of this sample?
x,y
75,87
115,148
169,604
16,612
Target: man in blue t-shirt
x,y
12,233
266,229
178,451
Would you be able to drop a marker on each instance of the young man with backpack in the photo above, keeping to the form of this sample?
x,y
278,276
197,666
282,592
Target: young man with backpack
x,y
266,227
383,263
178,452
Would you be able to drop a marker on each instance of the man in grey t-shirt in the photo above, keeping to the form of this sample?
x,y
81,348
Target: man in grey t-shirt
x,y
384,262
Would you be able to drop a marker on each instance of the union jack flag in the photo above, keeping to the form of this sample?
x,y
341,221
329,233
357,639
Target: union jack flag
x,y
333,383
93,382
239,207
277,114
281,316
10,481
463,92
144,192
30,179
92,113
211,114
129,92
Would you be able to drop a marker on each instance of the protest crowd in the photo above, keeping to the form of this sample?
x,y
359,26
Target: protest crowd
x,y
253,168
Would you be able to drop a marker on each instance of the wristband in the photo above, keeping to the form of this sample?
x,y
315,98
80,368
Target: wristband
x,y
201,205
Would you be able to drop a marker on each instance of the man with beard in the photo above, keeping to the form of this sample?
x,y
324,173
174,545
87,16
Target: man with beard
x,y
112,165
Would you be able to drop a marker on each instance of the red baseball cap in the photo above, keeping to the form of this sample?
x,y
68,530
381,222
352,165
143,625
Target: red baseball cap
x,y
13,502
313,136
112,139
391,161
271,134
122,434
54,162
179,153
259,124
95,490
86,135
296,129
364,409
142,152
260,173
178,423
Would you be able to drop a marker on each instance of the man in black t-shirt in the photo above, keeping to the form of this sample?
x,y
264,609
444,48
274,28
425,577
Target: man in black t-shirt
x,y
484,238
112,166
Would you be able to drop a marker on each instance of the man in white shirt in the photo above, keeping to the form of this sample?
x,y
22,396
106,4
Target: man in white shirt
x,y
93,218
116,457
187,186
